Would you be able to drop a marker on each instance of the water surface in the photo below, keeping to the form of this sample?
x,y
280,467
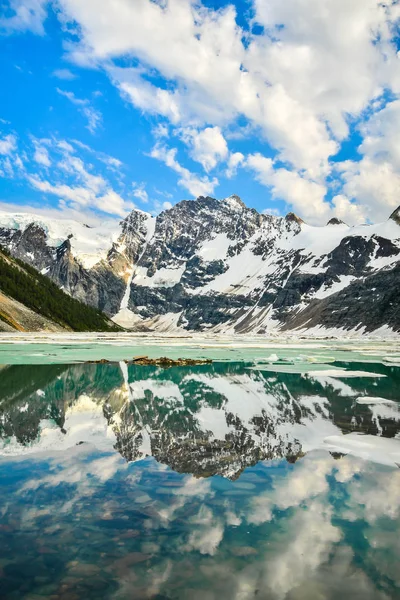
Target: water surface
x,y
242,479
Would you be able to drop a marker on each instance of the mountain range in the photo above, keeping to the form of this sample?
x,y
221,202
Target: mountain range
x,y
219,266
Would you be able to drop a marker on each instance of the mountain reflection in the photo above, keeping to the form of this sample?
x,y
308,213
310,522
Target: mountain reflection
x,y
207,420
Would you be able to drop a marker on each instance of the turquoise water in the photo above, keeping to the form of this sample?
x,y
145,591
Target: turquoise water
x,y
233,480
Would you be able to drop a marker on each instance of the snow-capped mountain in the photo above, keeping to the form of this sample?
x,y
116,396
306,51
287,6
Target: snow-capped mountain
x,y
210,265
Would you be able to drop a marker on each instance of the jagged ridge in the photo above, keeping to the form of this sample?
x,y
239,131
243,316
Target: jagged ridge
x,y
217,265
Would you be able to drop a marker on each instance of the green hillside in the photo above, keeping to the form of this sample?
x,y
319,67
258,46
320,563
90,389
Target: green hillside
x,y
25,284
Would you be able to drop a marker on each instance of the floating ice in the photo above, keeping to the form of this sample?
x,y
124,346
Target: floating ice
x,y
372,400
385,451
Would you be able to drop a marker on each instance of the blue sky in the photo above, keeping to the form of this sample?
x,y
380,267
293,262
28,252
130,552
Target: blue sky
x,y
109,105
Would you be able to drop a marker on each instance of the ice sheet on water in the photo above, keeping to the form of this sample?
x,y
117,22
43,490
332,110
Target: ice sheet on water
x,y
318,369
385,451
373,400
41,348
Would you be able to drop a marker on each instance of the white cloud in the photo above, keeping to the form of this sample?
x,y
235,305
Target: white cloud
x,y
73,181
65,146
333,57
381,135
305,195
64,74
197,186
290,88
372,183
9,159
41,155
275,212
107,201
76,185
376,496
139,192
28,15
75,166
62,211
208,534
110,161
208,147
145,95
8,144
307,480
160,130
375,185
92,115
351,213
310,538
317,66
159,206
235,160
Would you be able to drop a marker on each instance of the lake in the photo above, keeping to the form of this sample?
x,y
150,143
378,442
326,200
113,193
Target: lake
x,y
270,474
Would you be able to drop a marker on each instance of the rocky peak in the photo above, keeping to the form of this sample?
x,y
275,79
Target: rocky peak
x,y
234,202
291,217
335,221
395,216
133,234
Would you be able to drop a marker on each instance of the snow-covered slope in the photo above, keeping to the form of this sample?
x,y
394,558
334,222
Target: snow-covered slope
x,y
218,265
89,245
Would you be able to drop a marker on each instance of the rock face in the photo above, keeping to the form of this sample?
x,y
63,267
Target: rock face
x,y
210,265
14,316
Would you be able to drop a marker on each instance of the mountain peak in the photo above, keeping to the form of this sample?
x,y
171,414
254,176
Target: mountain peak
x,y
395,216
235,199
293,218
234,203
335,221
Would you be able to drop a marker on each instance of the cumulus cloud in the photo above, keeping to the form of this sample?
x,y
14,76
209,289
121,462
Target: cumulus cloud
x,y
26,15
300,485
372,502
310,538
381,134
376,184
305,195
207,532
313,69
348,211
208,147
236,159
296,81
146,96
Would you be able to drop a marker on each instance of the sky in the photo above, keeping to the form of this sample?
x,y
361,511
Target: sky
x,y
110,105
